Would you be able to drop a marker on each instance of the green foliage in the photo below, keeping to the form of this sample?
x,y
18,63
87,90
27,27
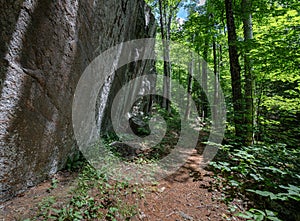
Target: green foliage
x,y
94,198
266,172
45,208
75,162
172,133
293,193
276,59
258,215
54,183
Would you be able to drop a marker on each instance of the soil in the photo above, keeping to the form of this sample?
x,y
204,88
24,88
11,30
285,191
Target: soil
x,y
185,195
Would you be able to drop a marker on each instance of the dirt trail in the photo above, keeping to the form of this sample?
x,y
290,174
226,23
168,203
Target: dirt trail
x,y
185,195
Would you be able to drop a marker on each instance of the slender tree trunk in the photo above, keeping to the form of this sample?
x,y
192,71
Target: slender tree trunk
x,y
189,89
216,89
220,58
204,78
165,26
199,104
249,82
167,78
235,70
259,125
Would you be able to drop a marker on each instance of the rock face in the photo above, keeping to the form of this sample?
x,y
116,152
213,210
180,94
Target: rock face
x,y
45,45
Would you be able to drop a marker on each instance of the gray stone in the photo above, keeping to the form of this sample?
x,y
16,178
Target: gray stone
x,y
45,46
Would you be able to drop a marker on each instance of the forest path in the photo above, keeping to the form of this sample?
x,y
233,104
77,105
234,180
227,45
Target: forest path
x,y
185,195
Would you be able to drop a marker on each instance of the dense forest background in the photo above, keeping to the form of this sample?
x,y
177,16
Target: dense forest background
x,y
252,47
259,75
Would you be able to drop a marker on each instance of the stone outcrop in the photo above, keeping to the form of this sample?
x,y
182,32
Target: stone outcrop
x,y
45,45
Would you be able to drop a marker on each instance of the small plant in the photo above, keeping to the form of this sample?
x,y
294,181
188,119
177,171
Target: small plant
x,y
45,208
76,162
258,215
265,172
94,198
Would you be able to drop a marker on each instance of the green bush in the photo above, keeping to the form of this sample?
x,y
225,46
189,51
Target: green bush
x,y
267,175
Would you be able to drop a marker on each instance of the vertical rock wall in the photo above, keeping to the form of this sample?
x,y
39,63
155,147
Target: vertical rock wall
x,y
45,45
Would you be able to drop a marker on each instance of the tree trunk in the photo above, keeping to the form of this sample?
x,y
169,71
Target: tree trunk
x,y
235,71
249,82
199,103
165,35
189,89
204,78
167,78
216,89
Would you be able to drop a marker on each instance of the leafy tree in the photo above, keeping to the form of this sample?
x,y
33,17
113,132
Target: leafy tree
x,y
235,70
166,11
276,62
246,6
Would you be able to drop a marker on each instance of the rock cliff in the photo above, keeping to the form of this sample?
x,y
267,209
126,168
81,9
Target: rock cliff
x,y
45,45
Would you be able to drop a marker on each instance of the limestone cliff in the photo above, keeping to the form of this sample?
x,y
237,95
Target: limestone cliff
x,y
45,45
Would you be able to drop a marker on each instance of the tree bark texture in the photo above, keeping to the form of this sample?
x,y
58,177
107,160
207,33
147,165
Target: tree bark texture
x,y
235,70
249,81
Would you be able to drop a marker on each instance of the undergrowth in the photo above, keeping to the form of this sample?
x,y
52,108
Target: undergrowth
x,y
267,176
94,198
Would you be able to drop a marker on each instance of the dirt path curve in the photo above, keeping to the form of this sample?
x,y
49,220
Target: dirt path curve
x,y
185,195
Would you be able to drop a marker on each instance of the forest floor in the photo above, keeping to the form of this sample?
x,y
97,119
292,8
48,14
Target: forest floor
x,y
185,195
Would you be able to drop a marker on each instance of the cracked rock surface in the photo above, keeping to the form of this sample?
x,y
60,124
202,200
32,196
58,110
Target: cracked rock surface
x,y
44,48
